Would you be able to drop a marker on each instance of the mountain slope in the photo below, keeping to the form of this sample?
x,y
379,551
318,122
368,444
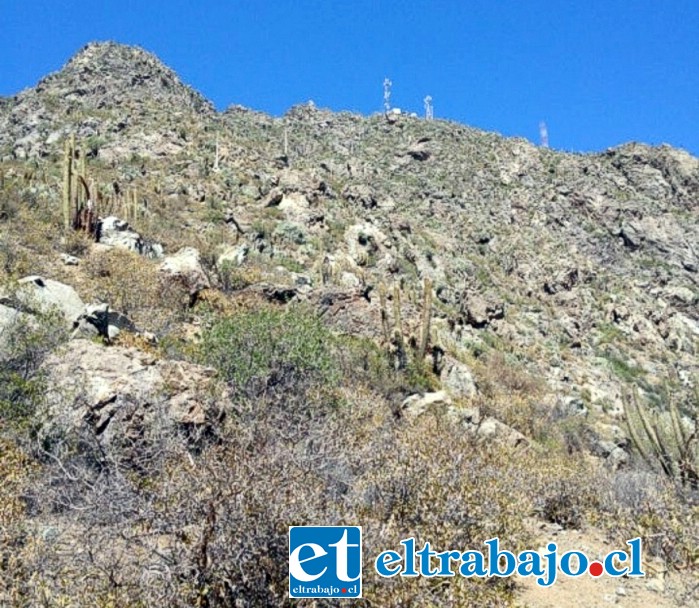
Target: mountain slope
x,y
521,294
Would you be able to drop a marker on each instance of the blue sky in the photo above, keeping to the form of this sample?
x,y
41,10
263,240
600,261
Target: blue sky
x,y
598,72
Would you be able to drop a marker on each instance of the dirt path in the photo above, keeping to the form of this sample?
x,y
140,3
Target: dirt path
x,y
657,590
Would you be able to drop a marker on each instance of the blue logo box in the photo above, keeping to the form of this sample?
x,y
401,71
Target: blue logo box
x,y
325,561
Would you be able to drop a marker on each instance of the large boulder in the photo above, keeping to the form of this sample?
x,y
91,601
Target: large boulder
x,y
36,294
124,393
185,267
457,379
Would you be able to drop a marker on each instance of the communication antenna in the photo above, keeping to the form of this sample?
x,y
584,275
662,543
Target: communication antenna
x,y
543,135
429,110
387,95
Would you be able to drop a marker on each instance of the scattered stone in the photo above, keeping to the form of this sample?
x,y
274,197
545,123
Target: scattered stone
x,y
69,260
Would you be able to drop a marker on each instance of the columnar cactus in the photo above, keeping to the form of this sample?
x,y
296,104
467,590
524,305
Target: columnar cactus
x,y
665,444
401,355
426,317
387,95
429,110
384,314
67,183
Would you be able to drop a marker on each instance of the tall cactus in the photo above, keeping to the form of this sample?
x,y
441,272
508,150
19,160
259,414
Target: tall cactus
x,y
426,318
671,447
79,210
134,204
401,355
384,314
68,182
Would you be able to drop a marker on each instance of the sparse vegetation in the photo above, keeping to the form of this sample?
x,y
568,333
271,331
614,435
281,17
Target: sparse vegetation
x,y
487,253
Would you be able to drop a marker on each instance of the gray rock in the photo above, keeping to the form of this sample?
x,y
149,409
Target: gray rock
x,y
656,584
618,458
294,205
681,295
480,312
457,379
491,429
100,320
349,280
116,232
360,194
39,295
233,255
69,260
124,393
185,267
417,404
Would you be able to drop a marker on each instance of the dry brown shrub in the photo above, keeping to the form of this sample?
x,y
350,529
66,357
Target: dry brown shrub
x,y
498,375
132,285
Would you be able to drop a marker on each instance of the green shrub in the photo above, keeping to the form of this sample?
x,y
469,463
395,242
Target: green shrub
x,y
256,349
233,278
24,344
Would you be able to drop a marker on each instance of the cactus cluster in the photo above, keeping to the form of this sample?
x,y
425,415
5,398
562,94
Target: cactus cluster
x,y
396,338
78,206
82,198
665,444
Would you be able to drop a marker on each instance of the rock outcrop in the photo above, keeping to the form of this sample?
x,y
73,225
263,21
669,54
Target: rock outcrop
x,y
123,393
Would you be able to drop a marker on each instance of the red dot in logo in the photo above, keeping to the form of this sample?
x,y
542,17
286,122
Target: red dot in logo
x,y
596,569
344,591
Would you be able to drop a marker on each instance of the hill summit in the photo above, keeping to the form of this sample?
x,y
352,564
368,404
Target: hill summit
x,y
119,85
110,75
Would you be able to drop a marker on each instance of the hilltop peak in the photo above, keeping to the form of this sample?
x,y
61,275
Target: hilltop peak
x,y
109,73
105,90
109,52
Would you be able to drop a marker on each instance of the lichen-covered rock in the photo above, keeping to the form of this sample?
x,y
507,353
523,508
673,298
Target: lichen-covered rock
x,y
121,391
185,266
39,295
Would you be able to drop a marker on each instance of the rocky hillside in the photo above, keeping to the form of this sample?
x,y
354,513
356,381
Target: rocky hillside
x,y
528,294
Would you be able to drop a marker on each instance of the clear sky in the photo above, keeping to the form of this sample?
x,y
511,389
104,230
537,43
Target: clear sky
x,y
598,72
